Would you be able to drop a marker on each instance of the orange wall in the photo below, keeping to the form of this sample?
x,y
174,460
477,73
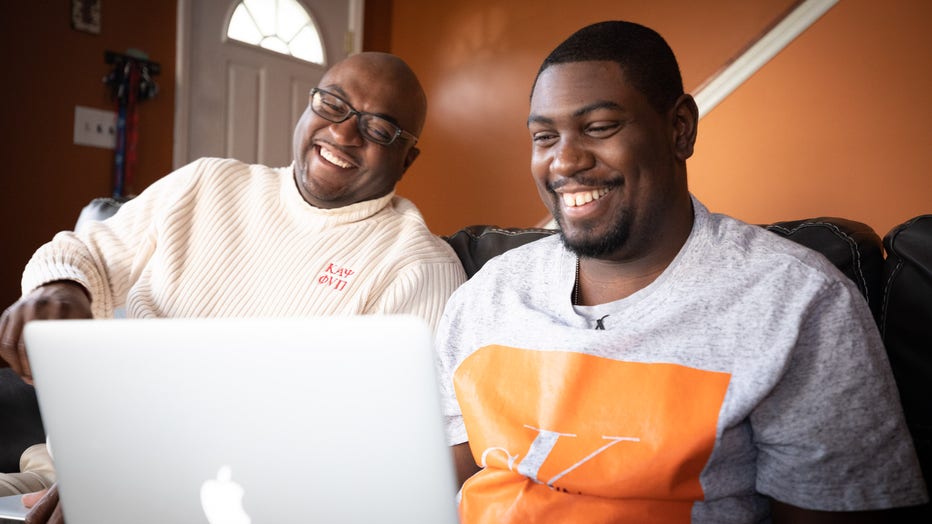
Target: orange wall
x,y
833,126
49,69
837,124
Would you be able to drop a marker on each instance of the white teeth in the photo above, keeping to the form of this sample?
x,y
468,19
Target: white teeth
x,y
583,197
330,157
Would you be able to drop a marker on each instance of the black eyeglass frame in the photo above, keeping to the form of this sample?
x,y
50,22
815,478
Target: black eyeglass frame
x,y
360,117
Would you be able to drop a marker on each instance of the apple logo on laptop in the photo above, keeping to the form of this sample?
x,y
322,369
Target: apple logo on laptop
x,y
222,499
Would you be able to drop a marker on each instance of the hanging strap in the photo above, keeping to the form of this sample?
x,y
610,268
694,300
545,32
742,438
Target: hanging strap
x,y
131,83
132,128
119,156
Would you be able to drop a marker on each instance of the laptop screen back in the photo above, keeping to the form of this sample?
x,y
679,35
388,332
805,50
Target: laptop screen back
x,y
331,419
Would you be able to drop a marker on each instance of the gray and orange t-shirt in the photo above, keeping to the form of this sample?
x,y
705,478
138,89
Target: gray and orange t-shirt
x,y
750,368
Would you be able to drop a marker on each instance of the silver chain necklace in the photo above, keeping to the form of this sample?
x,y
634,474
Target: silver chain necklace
x,y
576,285
599,323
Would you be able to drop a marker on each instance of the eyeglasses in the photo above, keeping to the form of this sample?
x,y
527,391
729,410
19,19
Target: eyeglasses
x,y
373,127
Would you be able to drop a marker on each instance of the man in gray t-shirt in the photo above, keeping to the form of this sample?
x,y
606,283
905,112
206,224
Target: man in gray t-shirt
x,y
655,361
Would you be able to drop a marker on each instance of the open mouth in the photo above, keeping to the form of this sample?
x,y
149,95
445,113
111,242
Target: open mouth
x,y
332,157
581,198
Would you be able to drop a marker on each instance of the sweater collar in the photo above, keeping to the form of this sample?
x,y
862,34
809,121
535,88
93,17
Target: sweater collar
x,y
340,215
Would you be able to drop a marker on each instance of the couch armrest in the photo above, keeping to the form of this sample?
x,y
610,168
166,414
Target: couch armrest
x,y
906,327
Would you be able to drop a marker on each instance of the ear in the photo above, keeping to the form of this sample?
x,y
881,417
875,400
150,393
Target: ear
x,y
685,115
410,158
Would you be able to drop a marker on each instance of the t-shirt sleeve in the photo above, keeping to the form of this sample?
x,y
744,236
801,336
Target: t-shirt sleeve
x,y
831,435
449,340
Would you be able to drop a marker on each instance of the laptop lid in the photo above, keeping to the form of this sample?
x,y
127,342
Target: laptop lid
x,y
331,419
12,509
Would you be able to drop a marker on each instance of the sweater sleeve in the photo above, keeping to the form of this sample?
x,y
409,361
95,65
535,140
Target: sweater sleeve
x,y
422,290
107,257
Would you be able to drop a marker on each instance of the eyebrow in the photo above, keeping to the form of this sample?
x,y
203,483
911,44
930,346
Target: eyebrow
x,y
601,104
335,89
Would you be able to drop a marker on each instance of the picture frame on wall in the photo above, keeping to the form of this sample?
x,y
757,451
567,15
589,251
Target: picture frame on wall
x,y
85,15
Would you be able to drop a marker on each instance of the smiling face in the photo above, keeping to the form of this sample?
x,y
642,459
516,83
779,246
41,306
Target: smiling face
x,y
610,167
334,165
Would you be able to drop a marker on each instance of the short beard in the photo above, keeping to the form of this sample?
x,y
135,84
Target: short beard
x,y
592,246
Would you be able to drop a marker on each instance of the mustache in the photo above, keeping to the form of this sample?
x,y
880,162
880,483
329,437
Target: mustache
x,y
583,181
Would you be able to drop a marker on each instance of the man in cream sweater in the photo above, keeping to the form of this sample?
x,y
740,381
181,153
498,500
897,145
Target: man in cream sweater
x,y
219,238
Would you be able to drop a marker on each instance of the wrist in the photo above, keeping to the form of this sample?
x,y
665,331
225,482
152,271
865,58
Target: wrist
x,y
71,285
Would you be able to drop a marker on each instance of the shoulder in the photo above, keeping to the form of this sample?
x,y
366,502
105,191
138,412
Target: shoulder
x,y
227,170
751,248
405,230
216,186
202,172
728,263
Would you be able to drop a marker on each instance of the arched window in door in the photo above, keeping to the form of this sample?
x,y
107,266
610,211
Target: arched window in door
x,y
282,26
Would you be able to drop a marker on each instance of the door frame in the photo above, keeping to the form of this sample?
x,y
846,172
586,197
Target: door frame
x,y
183,69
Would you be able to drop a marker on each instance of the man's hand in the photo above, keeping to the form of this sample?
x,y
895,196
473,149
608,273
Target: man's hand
x,y
464,463
63,299
45,508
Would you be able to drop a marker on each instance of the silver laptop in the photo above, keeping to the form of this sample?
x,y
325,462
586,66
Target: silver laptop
x,y
12,509
326,420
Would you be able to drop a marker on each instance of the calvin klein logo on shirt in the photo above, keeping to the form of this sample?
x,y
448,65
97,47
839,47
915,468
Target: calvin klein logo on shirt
x,y
336,277
540,450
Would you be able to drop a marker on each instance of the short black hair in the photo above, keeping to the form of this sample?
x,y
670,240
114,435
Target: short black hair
x,y
644,56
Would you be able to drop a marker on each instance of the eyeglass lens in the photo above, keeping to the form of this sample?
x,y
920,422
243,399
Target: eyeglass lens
x,y
337,110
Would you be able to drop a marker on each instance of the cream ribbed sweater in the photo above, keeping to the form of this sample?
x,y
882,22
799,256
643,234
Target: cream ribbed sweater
x,y
219,238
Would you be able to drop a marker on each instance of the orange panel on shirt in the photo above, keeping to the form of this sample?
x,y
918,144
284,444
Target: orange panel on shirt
x,y
572,434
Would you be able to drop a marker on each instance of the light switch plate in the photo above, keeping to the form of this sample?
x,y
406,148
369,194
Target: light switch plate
x,y
94,127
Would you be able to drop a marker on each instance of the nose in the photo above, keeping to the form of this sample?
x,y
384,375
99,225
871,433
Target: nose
x,y
570,157
346,133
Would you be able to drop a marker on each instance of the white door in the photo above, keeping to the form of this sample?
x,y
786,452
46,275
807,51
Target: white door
x,y
240,101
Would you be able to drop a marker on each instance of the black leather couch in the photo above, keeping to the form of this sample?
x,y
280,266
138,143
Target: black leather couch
x,y
905,321
897,287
